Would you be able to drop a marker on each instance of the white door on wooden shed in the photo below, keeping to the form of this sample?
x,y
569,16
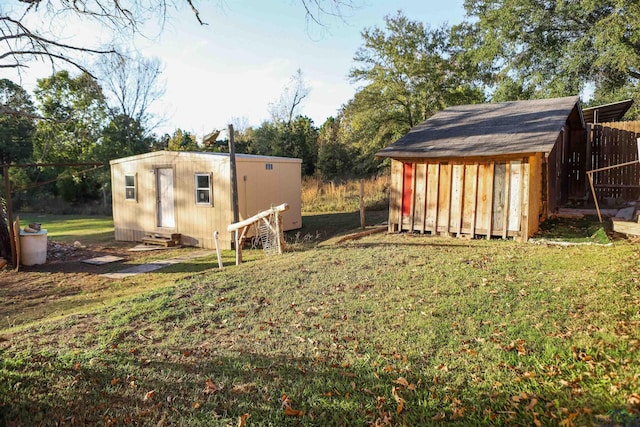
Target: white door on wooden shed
x,y
166,205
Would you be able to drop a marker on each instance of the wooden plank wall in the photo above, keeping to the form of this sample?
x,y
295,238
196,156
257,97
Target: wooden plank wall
x,y
395,196
477,199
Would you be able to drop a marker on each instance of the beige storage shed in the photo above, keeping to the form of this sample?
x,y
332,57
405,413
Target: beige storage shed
x,y
189,193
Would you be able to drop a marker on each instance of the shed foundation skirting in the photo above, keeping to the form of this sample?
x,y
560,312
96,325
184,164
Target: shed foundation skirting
x,y
491,199
129,235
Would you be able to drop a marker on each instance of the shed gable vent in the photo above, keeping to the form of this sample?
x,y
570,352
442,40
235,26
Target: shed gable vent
x,y
268,166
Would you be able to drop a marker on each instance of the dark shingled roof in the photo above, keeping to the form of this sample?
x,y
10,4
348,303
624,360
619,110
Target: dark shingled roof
x,y
485,130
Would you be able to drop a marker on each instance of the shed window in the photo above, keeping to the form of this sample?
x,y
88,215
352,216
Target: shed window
x,y
268,166
130,187
203,189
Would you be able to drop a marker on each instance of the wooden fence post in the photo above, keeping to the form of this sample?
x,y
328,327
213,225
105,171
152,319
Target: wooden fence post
x,y
362,219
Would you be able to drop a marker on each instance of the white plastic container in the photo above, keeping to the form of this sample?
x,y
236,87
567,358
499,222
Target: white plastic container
x,y
33,247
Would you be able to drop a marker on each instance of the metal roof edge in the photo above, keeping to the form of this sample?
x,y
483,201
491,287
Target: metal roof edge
x,y
204,154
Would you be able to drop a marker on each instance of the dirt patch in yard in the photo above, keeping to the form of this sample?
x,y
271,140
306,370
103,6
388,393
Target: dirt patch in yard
x,y
63,281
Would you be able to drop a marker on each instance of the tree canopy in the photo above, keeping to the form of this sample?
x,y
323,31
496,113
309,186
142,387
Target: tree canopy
x,y
544,48
75,112
407,68
407,72
16,124
182,141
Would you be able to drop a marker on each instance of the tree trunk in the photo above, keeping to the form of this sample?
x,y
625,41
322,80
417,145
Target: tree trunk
x,y
5,237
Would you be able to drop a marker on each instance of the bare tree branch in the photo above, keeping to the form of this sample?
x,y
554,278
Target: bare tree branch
x,y
133,83
288,106
316,9
196,12
21,40
634,73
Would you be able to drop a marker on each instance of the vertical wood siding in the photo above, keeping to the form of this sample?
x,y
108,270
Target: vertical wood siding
x,y
395,196
500,199
420,200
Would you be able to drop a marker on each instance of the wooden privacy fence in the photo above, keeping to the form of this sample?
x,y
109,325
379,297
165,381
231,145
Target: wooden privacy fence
x,y
605,145
613,144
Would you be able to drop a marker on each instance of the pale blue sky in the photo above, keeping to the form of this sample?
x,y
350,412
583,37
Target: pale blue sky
x,y
239,63
243,59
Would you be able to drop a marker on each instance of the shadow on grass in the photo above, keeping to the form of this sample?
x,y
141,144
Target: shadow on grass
x,y
323,226
425,243
123,384
586,229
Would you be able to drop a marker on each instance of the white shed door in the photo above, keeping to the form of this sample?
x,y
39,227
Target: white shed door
x,y
166,206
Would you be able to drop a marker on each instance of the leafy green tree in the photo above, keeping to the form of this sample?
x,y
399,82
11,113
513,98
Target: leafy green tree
x,y
299,139
265,139
366,127
407,69
16,123
161,143
557,48
122,137
408,72
74,112
244,137
335,158
182,141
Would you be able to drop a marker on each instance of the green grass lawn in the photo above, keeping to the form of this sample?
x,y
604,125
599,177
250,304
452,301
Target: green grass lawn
x,y
69,228
399,330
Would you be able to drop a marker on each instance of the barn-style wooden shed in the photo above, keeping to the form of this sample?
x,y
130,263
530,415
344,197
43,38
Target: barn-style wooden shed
x,y
189,193
488,169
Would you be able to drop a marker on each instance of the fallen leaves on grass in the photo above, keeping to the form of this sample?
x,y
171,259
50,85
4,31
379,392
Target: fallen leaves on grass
x,y
402,384
457,410
384,417
242,420
149,395
243,388
569,421
536,420
439,417
210,387
398,399
518,346
288,409
518,398
402,381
